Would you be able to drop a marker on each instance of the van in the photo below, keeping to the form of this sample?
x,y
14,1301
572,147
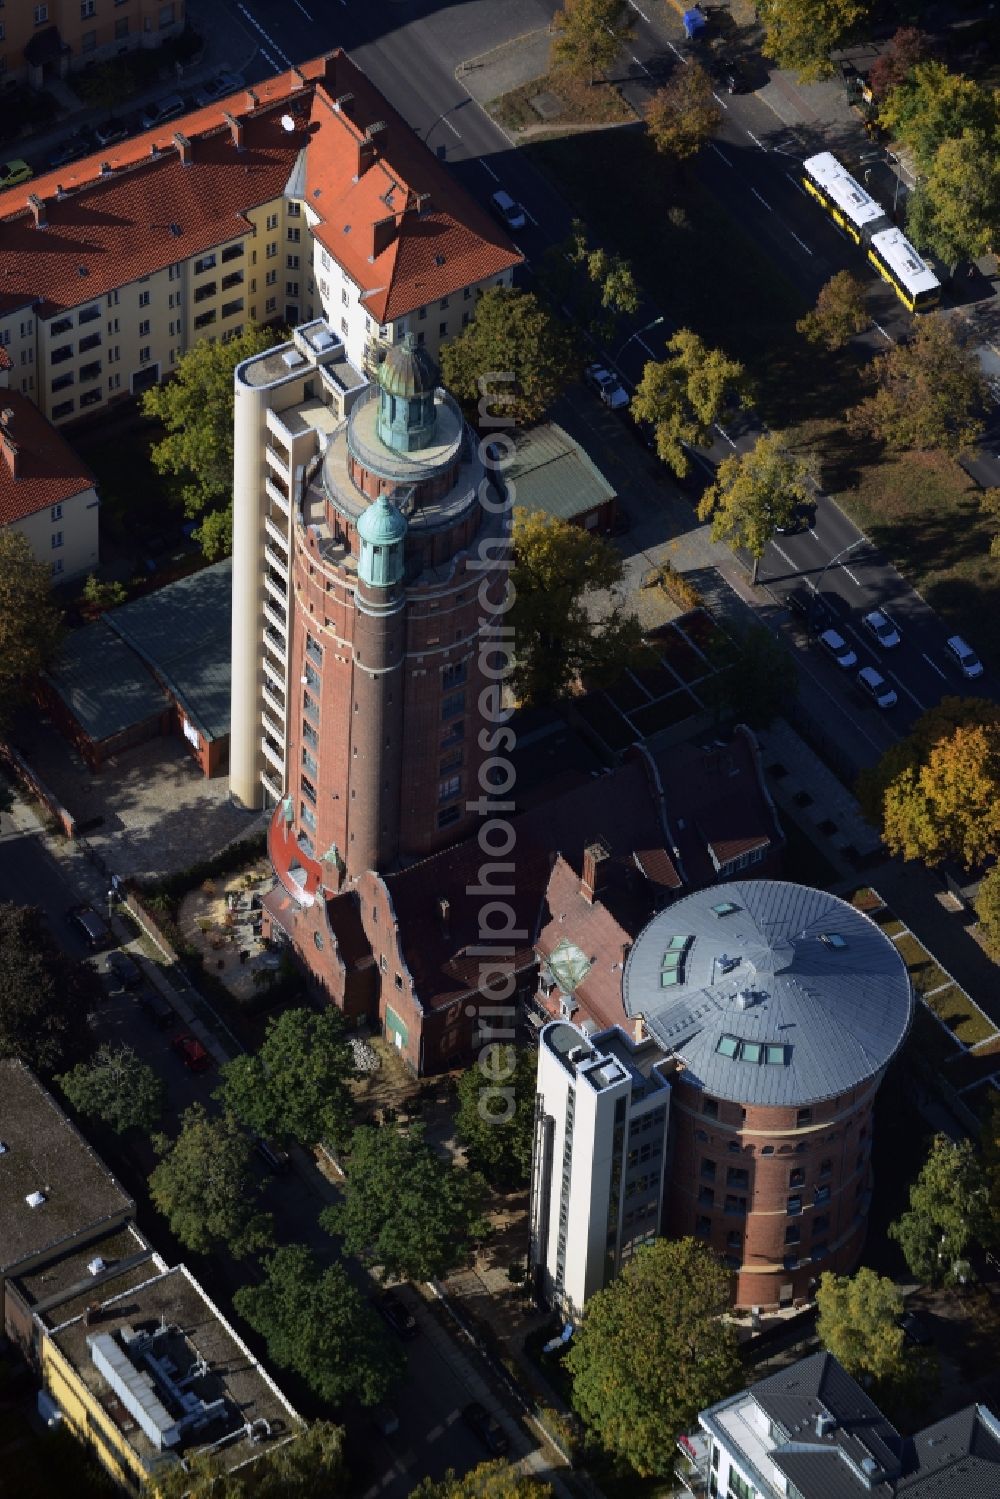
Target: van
x,y
162,110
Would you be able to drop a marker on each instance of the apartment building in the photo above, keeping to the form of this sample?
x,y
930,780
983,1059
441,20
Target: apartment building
x,y
598,1169
811,1432
43,41
46,491
305,196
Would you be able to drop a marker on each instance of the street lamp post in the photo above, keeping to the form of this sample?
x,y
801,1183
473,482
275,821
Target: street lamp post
x,y
837,557
637,334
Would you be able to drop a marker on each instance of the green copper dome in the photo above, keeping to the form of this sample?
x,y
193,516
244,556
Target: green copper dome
x,y
381,534
408,370
381,524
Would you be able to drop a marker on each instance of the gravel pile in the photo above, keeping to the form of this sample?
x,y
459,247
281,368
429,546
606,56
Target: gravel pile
x,y
365,1057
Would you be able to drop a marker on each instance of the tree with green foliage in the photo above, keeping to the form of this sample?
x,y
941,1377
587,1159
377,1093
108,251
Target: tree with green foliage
x,y
495,1480
931,105
841,311
683,115
990,1142
557,566
904,50
929,393
755,678
954,211
406,1210
196,408
859,1322
987,904
949,1213
295,1088
45,995
684,395
936,793
514,358
309,1466
598,284
30,624
496,1112
653,1351
116,1087
754,493
205,1188
99,596
316,1323
589,36
801,34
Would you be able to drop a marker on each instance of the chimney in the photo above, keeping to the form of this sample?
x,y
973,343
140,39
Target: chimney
x,y
298,77
236,128
383,234
444,912
37,206
183,144
251,99
7,444
595,869
91,1313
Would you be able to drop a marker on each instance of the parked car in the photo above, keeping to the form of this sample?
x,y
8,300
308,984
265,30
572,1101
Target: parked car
x,y
13,172
162,110
487,1428
876,686
92,928
155,1008
508,210
879,624
217,88
125,969
109,132
607,385
397,1314
810,607
191,1052
915,1329
79,144
836,646
276,1159
968,662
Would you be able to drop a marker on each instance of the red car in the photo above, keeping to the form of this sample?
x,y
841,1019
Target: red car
x,y
192,1053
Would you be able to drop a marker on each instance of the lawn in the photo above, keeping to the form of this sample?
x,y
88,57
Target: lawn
x,y
924,972
567,101
959,1014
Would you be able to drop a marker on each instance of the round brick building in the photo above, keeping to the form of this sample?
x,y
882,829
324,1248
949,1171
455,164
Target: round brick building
x,y
782,1006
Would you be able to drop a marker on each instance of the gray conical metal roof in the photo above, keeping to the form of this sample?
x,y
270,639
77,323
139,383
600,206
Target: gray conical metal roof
x,y
408,370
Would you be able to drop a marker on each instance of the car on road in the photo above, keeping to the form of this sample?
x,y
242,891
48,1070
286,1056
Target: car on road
x,y
13,172
79,144
836,646
125,969
191,1052
155,1008
916,1329
607,385
811,607
397,1314
885,630
92,928
487,1428
217,88
508,210
110,131
162,110
964,656
875,685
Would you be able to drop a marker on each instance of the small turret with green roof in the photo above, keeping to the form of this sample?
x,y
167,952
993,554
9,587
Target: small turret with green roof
x,y
382,534
407,380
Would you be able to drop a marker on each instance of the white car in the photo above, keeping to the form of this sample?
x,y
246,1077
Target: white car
x,y
837,647
877,687
607,385
508,211
968,662
882,627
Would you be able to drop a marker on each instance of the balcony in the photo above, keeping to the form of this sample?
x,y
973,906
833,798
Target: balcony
x,y
274,730
277,536
277,495
273,704
278,594
274,677
275,641
280,564
272,756
274,619
271,787
692,1470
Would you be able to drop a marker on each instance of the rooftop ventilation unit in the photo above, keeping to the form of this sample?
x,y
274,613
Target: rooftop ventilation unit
x,y
35,1199
291,358
825,1424
745,999
96,1265
3,1143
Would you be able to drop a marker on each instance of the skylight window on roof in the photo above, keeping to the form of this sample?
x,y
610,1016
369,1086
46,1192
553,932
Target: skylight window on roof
x,y
725,908
775,1056
833,939
679,944
752,1051
669,977
728,1046
671,960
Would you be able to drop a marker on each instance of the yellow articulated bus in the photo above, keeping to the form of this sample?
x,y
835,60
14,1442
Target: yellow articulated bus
x,y
866,222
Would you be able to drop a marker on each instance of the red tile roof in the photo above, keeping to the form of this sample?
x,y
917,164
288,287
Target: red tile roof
x,y
593,929
43,471
151,210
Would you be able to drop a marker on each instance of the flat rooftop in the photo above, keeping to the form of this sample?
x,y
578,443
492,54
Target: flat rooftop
x,y
44,1153
186,1357
53,1290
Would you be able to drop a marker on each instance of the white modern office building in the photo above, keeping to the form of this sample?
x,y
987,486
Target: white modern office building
x,y
602,1112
